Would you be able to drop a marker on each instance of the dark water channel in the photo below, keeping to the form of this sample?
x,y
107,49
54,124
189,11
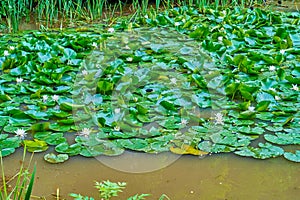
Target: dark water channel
x,y
215,177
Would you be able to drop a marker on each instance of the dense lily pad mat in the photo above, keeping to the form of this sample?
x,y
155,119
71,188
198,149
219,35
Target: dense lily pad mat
x,y
154,89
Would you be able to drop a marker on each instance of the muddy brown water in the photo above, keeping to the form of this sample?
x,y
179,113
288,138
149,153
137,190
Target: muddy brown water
x,y
215,177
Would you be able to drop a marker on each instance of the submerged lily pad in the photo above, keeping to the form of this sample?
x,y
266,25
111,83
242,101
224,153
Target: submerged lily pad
x,y
105,147
187,149
52,158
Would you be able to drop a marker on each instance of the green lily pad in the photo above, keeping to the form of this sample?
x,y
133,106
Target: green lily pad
x,y
136,144
107,148
283,138
71,150
40,127
295,157
50,138
208,146
7,151
37,114
264,151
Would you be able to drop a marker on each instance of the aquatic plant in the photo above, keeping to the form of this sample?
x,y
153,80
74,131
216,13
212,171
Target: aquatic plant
x,y
108,189
23,185
249,88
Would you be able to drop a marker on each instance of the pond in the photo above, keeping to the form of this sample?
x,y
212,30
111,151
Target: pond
x,y
215,84
221,177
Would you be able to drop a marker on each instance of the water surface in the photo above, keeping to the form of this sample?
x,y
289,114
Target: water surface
x,y
215,177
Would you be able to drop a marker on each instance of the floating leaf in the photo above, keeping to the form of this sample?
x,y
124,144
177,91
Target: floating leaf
x,y
35,145
71,150
283,138
264,151
187,149
295,157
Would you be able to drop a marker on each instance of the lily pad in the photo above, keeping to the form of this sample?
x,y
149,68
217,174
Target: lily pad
x,y
187,149
295,157
35,145
283,138
264,151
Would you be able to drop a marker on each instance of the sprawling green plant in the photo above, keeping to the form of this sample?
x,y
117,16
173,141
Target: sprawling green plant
x,y
108,189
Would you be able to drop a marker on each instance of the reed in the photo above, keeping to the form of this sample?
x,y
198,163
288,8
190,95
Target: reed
x,y
13,12
23,181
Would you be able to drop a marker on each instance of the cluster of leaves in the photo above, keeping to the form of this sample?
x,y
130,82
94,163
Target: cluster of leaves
x,y
153,90
108,189
257,54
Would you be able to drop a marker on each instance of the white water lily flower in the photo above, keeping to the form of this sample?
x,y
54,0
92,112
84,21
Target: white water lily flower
x,y
6,53
173,80
21,133
55,97
111,30
84,72
219,119
251,108
127,47
282,51
146,16
177,23
295,87
85,132
94,44
19,80
272,68
129,59
220,38
11,48
45,98
277,98
117,110
135,99
117,128
184,122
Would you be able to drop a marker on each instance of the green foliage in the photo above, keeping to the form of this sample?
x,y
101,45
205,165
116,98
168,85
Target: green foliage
x,y
248,73
108,189
23,184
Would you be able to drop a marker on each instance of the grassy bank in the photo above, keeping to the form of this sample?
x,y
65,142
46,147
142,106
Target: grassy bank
x,y
61,13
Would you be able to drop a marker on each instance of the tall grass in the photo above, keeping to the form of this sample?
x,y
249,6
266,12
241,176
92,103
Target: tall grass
x,y
64,11
23,182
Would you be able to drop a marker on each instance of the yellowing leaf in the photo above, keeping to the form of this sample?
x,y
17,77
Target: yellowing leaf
x,y
187,149
36,145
